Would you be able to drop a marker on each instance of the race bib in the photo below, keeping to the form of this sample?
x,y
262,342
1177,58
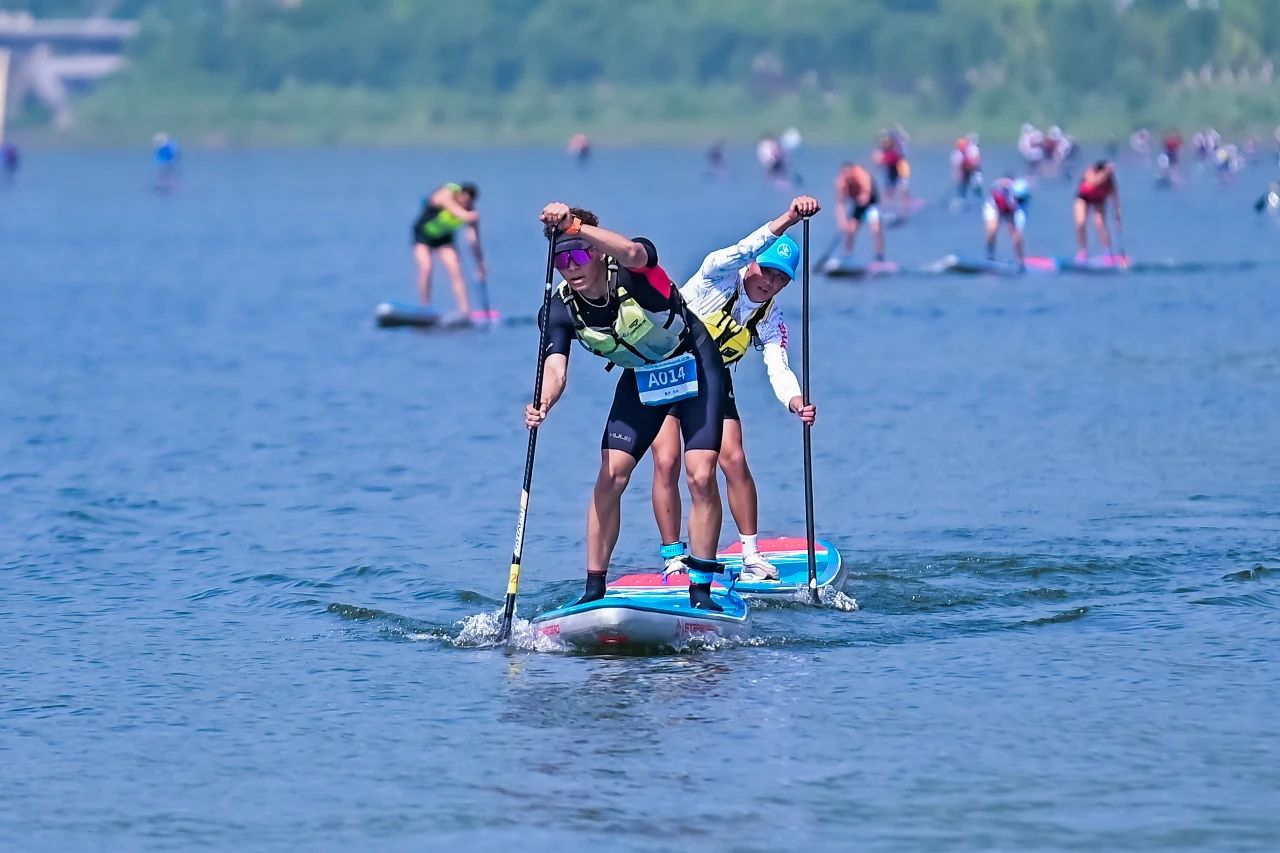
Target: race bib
x,y
668,381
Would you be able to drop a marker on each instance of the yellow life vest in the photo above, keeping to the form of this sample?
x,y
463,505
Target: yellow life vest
x,y
637,337
734,339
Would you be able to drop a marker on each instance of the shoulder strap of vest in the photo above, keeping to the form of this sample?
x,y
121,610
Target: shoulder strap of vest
x,y
611,264
733,300
566,296
759,314
756,316
725,326
677,301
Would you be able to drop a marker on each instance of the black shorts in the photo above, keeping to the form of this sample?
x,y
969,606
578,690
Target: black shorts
x,y
858,212
728,403
632,426
892,174
432,242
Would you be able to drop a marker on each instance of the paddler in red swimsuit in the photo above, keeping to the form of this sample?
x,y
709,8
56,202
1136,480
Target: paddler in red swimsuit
x,y
1097,185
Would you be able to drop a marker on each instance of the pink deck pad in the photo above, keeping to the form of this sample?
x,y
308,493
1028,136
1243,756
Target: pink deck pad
x,y
1105,261
767,546
881,267
675,581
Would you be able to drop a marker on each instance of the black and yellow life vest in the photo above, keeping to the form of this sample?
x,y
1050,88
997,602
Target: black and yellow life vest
x,y
437,223
733,338
637,337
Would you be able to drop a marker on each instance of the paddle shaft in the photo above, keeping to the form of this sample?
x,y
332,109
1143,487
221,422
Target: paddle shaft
x,y
808,439
517,553
826,256
484,299
4,88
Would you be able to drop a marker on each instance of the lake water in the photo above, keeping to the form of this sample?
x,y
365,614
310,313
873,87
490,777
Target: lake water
x,y
251,546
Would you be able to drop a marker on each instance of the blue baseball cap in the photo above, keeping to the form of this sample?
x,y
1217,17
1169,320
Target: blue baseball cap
x,y
783,255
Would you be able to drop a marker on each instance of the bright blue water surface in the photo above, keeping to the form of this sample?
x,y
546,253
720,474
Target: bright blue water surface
x,y
245,537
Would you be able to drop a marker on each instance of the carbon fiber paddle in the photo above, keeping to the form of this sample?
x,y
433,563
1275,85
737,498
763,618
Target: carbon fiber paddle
x,y
513,578
808,438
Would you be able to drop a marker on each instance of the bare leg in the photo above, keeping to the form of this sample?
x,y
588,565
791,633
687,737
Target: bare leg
x,y
877,230
422,257
449,257
1017,243
1081,213
992,226
1100,223
666,481
743,501
706,513
604,515
850,235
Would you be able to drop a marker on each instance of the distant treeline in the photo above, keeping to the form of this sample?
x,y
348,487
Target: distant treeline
x,y
1133,60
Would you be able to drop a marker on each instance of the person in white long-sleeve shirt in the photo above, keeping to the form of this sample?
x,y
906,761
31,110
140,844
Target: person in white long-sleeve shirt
x,y
733,293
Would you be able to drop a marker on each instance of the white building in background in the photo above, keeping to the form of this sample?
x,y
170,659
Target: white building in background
x,y
49,60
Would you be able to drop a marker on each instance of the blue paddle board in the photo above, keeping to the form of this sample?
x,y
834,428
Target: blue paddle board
x,y
390,315
790,556
845,268
646,612
981,266
1097,265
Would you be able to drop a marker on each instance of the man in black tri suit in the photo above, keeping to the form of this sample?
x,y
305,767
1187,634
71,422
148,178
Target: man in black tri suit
x,y
621,306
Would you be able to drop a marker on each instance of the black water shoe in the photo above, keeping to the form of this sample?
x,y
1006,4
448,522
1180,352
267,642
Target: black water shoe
x,y
595,588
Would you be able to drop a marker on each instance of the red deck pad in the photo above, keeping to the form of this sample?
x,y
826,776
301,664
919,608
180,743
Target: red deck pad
x,y
767,546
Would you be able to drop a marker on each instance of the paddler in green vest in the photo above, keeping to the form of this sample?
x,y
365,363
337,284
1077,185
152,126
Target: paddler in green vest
x,y
734,294
445,212
619,305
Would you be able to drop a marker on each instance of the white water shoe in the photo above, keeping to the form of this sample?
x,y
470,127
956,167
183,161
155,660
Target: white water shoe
x,y
756,568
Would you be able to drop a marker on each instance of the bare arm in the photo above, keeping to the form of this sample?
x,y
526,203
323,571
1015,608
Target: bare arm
x,y
554,379
801,206
841,198
626,251
443,197
473,237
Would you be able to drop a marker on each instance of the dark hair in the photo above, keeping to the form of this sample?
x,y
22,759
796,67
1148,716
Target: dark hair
x,y
1101,164
586,217
470,189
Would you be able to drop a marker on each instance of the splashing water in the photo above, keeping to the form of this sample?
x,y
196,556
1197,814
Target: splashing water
x,y
480,631
830,597
836,600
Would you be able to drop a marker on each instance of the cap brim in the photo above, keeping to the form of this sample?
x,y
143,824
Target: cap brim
x,y
566,243
776,266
